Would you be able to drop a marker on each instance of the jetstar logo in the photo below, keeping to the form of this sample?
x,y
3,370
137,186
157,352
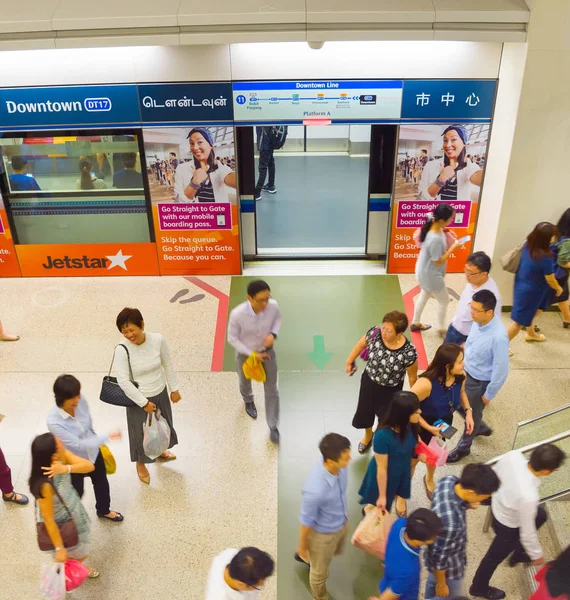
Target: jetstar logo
x,y
86,262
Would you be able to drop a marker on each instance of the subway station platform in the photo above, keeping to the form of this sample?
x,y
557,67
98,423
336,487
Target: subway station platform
x,y
229,487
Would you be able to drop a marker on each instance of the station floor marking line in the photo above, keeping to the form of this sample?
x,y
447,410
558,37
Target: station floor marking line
x,y
221,320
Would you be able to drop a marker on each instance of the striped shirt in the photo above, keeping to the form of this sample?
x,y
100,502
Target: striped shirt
x,y
448,553
206,192
449,190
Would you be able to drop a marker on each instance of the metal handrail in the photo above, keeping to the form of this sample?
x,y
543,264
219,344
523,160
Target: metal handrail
x,y
552,412
524,449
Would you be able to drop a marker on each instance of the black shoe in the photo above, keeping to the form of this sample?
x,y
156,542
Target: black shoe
x,y
300,560
516,560
274,436
485,433
492,593
270,188
457,455
251,410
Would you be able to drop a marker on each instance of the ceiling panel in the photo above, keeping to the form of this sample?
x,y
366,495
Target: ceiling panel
x,y
481,11
234,12
34,15
110,14
370,11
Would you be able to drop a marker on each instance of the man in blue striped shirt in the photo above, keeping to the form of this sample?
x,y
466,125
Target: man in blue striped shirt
x,y
486,366
447,557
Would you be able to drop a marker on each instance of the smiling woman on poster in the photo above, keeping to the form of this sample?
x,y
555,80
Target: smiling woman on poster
x,y
455,177
203,179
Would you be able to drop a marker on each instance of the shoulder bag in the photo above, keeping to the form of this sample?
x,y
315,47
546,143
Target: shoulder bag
x,y
111,391
512,259
364,355
67,529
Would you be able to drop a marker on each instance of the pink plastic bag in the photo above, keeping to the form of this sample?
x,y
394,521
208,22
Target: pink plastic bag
x,y
75,574
371,535
441,451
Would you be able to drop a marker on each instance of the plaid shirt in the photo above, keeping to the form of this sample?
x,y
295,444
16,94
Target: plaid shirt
x,y
449,551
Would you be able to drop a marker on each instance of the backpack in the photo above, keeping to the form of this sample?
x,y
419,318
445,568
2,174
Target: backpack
x,y
278,137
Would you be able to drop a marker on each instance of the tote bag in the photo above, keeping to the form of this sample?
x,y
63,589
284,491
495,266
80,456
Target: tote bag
x,y
371,535
111,391
512,259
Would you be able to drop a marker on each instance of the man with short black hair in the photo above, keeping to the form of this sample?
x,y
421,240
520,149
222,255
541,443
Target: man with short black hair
x,y
517,515
238,575
253,327
476,271
129,177
20,179
324,516
486,366
447,557
402,564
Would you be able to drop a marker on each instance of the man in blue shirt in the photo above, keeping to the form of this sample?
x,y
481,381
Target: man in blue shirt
x,y
486,365
402,565
129,177
324,516
20,181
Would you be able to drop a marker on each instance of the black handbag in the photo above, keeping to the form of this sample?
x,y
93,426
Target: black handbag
x,y
67,530
111,391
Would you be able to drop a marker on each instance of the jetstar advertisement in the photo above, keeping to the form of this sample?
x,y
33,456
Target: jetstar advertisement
x,y
8,261
436,164
192,180
87,260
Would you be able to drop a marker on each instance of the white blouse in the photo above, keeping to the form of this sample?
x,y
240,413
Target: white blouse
x,y
465,189
185,172
152,368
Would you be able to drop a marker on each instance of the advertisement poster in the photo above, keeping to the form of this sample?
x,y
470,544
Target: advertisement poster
x,y
8,260
452,154
192,179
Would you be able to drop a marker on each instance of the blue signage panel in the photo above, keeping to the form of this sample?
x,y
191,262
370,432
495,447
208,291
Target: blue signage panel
x,y
450,99
68,106
185,102
286,101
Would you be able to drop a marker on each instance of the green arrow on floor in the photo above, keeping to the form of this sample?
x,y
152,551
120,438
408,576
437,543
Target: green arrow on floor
x,y
319,356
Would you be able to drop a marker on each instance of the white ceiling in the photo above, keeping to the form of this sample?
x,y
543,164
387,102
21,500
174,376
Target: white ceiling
x,y
68,23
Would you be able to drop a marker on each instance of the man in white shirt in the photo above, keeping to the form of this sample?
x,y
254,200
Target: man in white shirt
x,y
253,327
477,274
238,575
517,515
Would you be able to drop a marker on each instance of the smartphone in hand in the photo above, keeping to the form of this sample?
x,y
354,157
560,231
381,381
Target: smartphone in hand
x,y
447,431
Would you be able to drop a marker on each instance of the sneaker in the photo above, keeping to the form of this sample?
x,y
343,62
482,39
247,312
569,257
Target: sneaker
x,y
257,197
270,188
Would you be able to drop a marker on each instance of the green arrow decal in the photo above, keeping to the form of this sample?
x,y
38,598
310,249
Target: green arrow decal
x,y
319,357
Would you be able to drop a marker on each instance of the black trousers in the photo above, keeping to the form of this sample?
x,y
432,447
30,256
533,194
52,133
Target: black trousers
x,y
507,540
100,486
266,162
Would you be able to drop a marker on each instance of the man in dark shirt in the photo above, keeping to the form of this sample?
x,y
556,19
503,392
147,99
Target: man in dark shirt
x,y
446,559
129,177
20,181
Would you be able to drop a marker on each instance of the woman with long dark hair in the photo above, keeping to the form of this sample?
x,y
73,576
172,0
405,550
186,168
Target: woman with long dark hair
x,y
88,180
441,391
50,484
554,579
533,282
431,264
203,179
455,177
561,252
389,473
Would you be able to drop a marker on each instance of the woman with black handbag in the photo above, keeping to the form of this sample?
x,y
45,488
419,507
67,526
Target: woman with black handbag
x,y
62,523
144,369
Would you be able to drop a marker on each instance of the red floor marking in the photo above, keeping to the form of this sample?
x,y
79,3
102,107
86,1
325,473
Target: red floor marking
x,y
417,339
220,335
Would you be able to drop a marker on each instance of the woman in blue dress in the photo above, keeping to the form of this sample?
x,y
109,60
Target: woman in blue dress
x,y
441,390
389,473
533,282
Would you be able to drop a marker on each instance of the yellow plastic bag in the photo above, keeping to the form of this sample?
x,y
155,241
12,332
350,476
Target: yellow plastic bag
x,y
108,459
253,368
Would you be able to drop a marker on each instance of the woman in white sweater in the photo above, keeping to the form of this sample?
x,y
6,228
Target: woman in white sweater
x,y
152,368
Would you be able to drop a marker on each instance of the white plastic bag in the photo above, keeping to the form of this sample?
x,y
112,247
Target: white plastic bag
x,y
52,581
156,435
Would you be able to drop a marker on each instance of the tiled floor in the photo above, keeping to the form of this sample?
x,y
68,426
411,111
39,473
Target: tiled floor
x,y
223,490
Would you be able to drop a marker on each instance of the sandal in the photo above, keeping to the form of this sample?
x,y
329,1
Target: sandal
x,y
363,448
144,478
93,573
117,518
420,327
14,339
532,338
16,498
166,456
511,351
401,514
428,493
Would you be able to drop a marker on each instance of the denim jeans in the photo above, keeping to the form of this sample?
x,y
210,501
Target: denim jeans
x,y
455,588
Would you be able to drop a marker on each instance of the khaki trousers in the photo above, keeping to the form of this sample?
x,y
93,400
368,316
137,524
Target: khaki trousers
x,y
322,548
